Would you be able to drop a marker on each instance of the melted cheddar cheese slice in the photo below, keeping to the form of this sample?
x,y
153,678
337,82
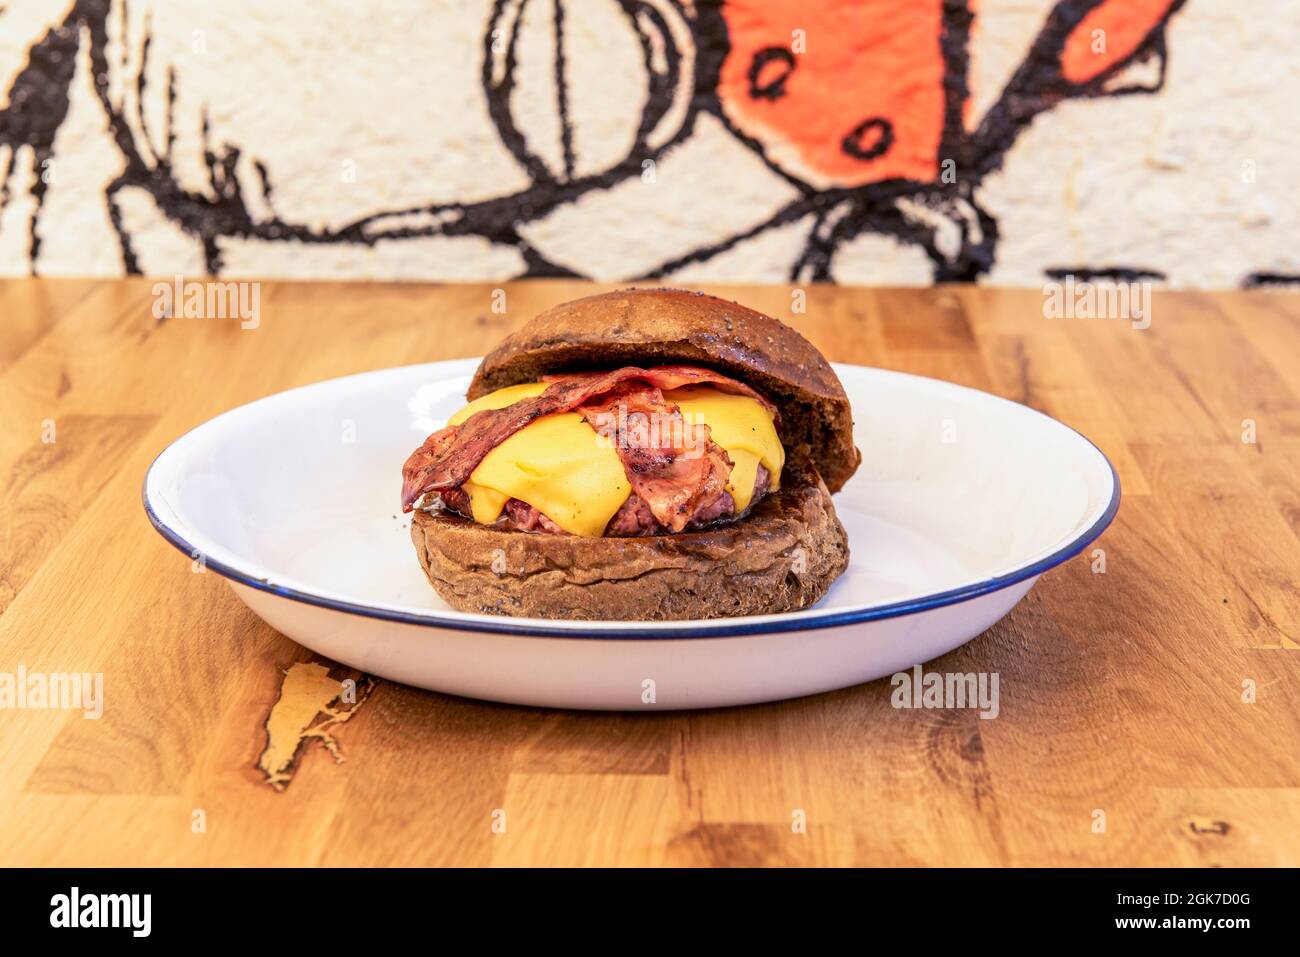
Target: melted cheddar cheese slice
x,y
499,399
741,426
556,464
560,466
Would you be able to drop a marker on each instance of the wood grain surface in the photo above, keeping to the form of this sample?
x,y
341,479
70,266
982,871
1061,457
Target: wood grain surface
x,y
1160,694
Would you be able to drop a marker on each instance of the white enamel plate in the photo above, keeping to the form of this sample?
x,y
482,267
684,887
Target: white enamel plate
x,y
963,499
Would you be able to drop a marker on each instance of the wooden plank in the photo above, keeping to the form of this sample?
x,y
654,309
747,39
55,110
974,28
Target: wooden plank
x,y
28,310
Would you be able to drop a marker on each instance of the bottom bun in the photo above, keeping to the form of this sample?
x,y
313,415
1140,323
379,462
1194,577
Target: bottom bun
x,y
782,557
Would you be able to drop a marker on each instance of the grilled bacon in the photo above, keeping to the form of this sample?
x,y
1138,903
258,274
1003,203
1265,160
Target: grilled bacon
x,y
675,481
675,473
634,519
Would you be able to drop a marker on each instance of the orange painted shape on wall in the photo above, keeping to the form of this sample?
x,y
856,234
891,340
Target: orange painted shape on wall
x,y
1124,24
863,103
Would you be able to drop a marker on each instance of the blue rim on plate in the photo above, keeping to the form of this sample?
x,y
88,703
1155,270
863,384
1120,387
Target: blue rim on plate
x,y
702,629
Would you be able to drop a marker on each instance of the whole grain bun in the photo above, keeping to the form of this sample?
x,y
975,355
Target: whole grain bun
x,y
665,326
782,557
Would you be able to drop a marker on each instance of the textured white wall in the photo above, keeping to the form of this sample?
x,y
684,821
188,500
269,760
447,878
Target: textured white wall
x,y
373,128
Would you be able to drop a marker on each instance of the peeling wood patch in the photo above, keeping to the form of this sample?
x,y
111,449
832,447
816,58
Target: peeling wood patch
x,y
311,703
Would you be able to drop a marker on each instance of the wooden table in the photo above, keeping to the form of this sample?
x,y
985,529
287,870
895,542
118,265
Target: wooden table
x,y
1121,693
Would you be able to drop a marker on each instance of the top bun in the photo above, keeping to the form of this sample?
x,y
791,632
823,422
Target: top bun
x,y
648,327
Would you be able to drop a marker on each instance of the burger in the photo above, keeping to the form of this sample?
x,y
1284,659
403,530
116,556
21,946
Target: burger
x,y
645,454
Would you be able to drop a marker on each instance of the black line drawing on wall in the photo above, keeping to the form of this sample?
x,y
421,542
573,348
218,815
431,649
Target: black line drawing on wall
x,y
896,168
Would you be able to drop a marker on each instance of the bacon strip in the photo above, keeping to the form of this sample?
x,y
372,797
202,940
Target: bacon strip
x,y
423,460
672,464
450,455
668,378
